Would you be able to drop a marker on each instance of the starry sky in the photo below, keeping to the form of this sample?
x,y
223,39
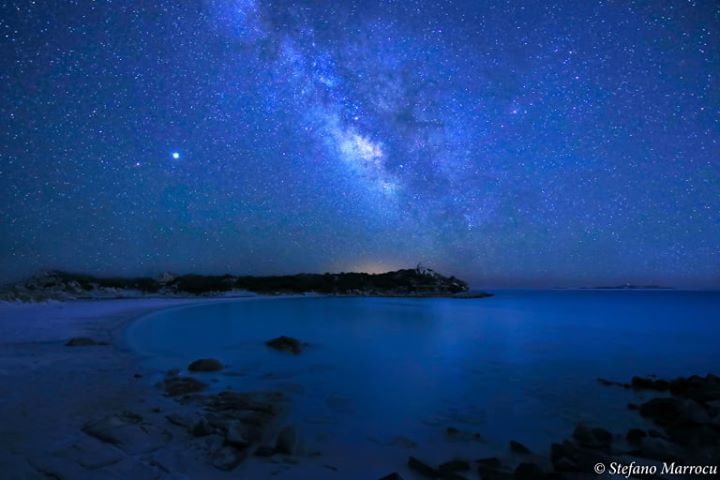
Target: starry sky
x,y
513,143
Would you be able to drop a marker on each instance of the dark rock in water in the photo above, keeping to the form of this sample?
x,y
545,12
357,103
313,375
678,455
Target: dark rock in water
x,y
649,384
422,468
457,465
176,385
84,342
592,437
265,451
635,435
528,471
287,441
667,411
285,344
633,406
392,476
205,365
609,383
517,447
569,457
227,458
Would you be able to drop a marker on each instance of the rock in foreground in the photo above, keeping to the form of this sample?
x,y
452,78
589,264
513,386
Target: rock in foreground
x,y
205,365
285,344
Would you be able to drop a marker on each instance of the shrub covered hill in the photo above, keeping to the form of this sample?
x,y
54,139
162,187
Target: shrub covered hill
x,y
407,282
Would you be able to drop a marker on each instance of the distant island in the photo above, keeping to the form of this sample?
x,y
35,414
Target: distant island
x,y
417,282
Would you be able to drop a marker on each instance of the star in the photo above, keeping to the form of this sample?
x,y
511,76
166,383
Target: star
x,y
176,155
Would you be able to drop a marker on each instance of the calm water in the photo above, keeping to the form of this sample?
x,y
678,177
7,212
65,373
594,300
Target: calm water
x,y
381,373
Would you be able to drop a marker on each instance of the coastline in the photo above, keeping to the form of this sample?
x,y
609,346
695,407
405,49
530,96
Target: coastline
x,y
50,391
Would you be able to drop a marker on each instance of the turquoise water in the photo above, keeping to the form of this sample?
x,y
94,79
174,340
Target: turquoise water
x,y
382,374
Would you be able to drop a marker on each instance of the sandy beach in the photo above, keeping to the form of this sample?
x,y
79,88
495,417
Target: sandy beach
x,y
50,391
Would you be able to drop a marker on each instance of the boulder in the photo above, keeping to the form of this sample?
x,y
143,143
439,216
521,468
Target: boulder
x,y
517,447
285,344
205,365
127,432
177,385
456,465
528,471
592,437
392,476
668,411
422,468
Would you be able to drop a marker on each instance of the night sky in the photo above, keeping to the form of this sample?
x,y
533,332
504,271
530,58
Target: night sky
x,y
528,143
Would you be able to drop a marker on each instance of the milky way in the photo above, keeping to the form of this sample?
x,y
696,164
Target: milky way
x,y
509,143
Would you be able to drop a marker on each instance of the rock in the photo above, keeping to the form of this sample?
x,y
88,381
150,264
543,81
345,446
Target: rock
x,y
127,432
285,344
236,435
422,468
528,471
668,411
177,385
649,384
181,420
83,342
456,465
592,437
569,457
227,458
635,435
265,451
205,365
201,428
287,441
392,476
517,447
657,449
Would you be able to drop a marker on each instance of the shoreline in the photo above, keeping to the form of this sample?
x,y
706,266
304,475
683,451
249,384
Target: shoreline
x,y
96,412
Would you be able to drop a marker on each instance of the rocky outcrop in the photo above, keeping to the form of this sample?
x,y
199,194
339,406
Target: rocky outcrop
x,y
285,344
205,365
419,281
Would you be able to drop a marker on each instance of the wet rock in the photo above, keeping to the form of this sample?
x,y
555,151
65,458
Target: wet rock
x,y
227,458
285,344
83,342
592,437
649,384
569,457
201,428
456,434
205,365
181,420
667,411
236,435
177,385
528,471
127,432
456,465
517,447
422,468
287,441
635,435
392,476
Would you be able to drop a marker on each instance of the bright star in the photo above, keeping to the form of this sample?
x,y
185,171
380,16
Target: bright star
x,y
175,155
